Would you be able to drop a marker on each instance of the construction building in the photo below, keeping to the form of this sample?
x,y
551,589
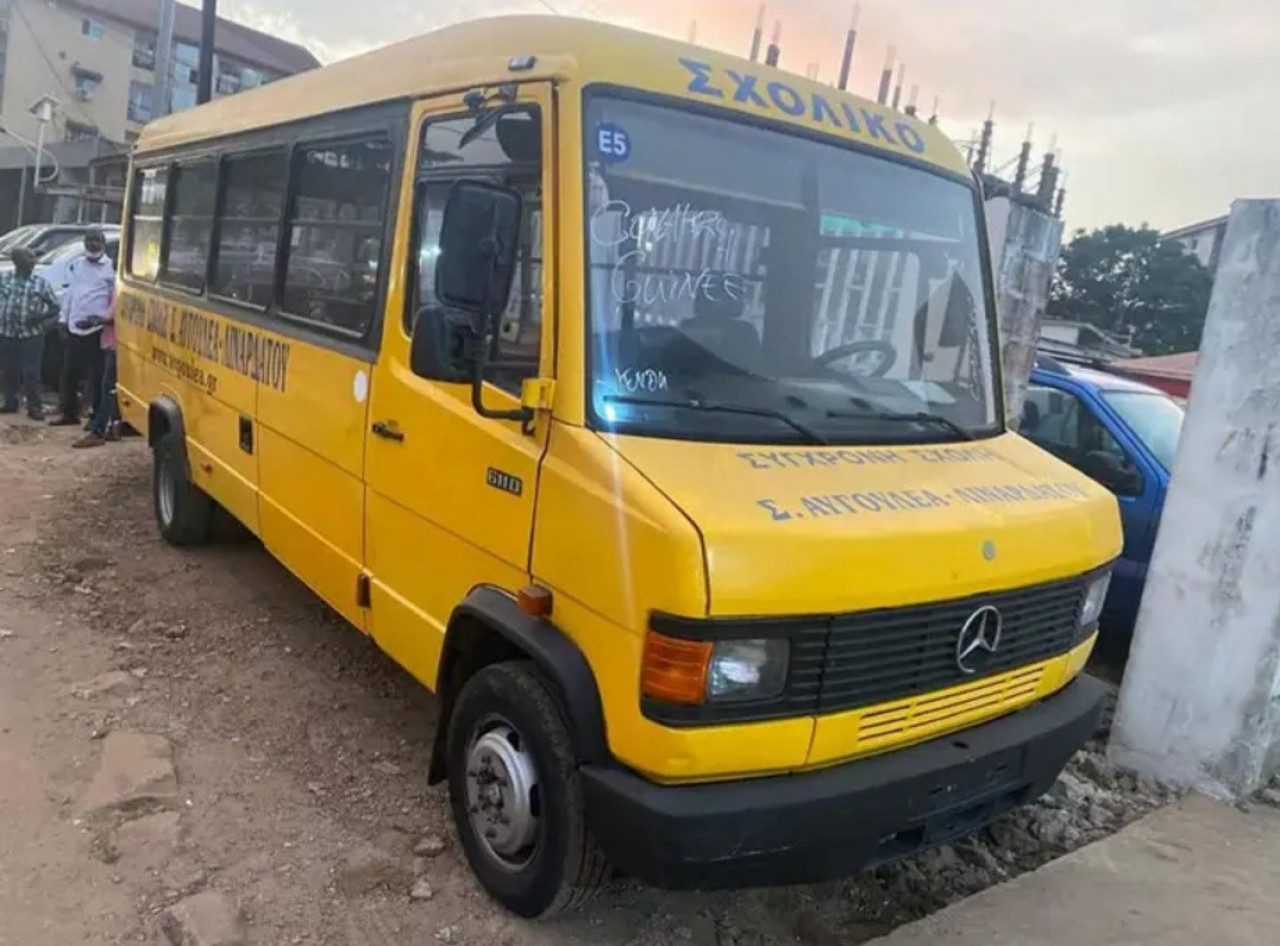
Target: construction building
x,y
95,61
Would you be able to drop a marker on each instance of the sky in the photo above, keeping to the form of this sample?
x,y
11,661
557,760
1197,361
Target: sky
x,y
1164,111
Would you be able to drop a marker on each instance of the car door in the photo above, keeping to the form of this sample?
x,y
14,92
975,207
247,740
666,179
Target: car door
x,y
1071,424
451,494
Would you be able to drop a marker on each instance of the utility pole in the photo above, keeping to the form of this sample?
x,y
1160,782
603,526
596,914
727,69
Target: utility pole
x,y
208,26
164,60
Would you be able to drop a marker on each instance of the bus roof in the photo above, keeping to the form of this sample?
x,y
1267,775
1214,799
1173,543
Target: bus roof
x,y
478,52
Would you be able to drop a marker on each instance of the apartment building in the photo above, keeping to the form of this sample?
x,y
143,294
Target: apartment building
x,y
97,60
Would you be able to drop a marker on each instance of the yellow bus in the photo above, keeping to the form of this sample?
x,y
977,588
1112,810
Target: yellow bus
x,y
644,404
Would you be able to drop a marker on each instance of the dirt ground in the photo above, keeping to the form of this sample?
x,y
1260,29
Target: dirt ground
x,y
197,729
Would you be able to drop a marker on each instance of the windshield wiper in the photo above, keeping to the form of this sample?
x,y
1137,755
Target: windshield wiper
x,y
696,404
918,417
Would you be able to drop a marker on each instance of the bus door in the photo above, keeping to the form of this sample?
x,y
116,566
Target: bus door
x,y
450,494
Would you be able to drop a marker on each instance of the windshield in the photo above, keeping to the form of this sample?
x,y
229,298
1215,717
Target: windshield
x,y
1155,418
50,240
767,287
14,238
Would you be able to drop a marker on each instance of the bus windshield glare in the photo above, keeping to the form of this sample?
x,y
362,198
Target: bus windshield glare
x,y
750,285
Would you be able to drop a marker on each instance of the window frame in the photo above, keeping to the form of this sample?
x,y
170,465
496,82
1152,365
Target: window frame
x,y
446,176
390,119
284,247
166,239
285,154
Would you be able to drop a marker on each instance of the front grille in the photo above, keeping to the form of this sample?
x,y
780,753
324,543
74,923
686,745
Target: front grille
x,y
895,653
921,716
895,656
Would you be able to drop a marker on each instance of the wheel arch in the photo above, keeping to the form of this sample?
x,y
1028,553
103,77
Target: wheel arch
x,y
488,627
164,416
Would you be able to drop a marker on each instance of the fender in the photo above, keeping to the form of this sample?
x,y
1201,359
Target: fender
x,y
542,642
165,409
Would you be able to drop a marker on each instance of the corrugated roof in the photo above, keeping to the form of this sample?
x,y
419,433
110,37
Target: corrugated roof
x,y
1178,367
231,39
1191,228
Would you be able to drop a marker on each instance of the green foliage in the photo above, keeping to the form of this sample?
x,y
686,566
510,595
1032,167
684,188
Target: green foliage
x,y
1124,281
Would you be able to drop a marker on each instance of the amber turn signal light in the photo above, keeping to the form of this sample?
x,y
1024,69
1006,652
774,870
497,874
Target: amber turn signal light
x,y
674,670
535,601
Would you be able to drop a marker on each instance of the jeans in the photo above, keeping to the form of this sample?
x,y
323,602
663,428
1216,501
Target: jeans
x,y
104,412
20,372
81,365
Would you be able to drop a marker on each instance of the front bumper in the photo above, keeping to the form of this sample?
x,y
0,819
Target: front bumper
x,y
815,826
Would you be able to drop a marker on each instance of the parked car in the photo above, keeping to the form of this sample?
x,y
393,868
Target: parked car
x,y
1124,435
45,239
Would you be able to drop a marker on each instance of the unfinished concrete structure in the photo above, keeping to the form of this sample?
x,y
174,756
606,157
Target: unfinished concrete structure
x,y
1025,243
1200,703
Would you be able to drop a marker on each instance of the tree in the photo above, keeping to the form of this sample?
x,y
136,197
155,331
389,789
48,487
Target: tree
x,y
1126,282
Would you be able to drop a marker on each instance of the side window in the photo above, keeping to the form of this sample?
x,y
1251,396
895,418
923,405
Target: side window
x,y
335,231
146,222
1060,423
252,198
184,256
508,152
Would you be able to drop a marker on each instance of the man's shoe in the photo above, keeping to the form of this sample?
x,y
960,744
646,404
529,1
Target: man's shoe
x,y
63,421
88,440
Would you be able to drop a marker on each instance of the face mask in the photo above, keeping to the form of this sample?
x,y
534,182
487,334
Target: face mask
x,y
94,255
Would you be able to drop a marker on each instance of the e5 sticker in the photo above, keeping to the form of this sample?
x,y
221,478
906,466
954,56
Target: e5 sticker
x,y
611,143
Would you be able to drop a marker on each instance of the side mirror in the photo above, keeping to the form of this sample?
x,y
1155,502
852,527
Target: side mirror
x,y
479,248
958,316
440,347
1119,477
479,252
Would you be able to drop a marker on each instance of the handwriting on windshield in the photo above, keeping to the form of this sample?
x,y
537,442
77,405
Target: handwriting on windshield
x,y
651,288
635,380
614,224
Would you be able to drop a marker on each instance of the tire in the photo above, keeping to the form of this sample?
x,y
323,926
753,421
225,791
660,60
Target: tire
x,y
184,512
509,712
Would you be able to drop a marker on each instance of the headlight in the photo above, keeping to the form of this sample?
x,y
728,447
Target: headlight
x,y
747,670
1095,594
688,672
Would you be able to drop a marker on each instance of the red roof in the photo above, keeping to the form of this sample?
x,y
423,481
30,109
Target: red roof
x,y
1180,366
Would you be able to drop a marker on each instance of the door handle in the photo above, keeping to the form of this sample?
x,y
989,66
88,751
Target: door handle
x,y
388,431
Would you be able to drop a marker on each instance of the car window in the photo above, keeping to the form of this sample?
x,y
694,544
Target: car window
x,y
1067,427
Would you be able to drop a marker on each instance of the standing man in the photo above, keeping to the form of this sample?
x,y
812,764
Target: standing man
x,y
90,290
28,307
102,425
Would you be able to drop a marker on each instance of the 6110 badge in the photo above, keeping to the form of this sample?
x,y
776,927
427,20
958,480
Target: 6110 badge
x,y
504,481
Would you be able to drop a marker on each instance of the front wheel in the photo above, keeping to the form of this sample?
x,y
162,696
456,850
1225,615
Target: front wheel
x,y
517,796
183,511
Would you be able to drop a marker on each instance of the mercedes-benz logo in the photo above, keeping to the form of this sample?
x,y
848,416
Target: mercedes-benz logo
x,y
981,633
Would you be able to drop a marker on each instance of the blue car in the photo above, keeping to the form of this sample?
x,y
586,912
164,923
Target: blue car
x,y
1124,435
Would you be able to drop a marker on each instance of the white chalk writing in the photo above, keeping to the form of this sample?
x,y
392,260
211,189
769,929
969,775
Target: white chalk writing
x,y
632,380
630,286
614,222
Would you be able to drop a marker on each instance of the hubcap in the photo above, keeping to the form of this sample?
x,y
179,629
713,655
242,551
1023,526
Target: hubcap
x,y
166,489
502,801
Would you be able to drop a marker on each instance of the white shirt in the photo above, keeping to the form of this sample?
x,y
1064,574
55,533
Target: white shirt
x,y
90,288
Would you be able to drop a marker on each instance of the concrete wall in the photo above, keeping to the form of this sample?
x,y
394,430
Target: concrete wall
x,y
1025,244
1200,702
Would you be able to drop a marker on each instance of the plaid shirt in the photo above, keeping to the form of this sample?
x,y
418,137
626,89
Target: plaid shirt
x,y
28,306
